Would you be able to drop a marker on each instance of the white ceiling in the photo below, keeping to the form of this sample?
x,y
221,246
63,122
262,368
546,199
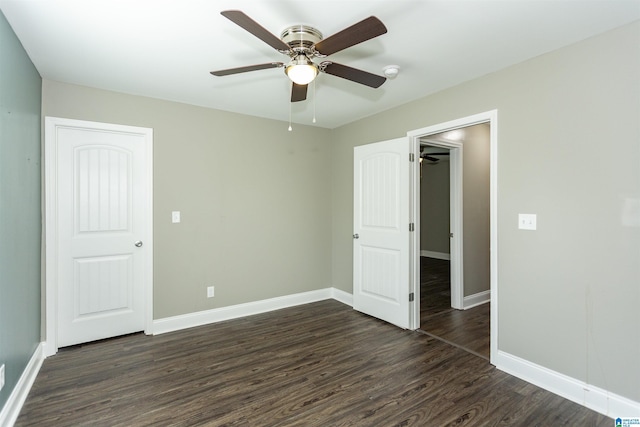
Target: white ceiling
x,y
166,48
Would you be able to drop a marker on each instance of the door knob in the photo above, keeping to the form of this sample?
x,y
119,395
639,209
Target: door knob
x,y
138,243
356,236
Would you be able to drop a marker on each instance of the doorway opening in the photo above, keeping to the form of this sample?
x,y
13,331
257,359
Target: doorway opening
x,y
435,235
454,285
455,244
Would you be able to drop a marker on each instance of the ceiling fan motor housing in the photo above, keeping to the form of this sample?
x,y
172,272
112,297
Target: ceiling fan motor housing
x,y
301,39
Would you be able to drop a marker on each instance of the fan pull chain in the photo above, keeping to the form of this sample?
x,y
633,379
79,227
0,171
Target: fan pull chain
x,y
314,101
290,128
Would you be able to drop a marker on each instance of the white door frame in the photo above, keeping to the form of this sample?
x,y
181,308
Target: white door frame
x,y
455,219
51,232
490,117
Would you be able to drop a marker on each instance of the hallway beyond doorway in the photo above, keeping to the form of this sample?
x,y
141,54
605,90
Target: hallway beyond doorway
x,y
467,329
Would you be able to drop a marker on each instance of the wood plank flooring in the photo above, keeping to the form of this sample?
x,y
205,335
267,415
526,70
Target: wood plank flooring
x,y
469,329
321,364
435,287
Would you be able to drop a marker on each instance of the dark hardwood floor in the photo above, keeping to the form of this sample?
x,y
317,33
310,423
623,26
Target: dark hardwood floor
x,y
320,364
469,329
435,287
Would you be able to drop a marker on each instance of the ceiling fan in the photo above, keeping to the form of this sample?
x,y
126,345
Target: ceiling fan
x,y
303,43
429,156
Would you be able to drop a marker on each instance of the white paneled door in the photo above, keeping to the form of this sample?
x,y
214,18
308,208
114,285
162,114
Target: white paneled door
x,y
381,237
102,215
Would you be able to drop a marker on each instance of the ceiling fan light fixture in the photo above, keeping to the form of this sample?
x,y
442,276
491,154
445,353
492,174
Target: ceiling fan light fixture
x,y
301,70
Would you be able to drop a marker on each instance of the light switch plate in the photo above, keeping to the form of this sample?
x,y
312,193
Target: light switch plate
x,y
175,217
527,221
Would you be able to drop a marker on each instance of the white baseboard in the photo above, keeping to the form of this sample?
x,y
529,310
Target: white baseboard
x,y
13,405
476,299
342,296
47,350
436,255
175,323
595,398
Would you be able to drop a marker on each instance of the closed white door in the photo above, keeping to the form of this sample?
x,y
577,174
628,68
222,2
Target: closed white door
x,y
381,231
102,218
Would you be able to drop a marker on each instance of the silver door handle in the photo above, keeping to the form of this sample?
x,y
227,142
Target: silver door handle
x,y
356,236
138,243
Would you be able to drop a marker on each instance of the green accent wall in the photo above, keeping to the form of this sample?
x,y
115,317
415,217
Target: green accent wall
x,y
20,208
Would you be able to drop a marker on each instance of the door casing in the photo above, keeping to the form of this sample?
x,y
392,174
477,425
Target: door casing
x,y
490,117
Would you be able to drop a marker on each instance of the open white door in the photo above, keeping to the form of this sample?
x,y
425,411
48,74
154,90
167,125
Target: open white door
x,y
381,240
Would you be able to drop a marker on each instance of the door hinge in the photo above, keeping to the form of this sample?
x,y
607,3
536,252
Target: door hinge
x,y
412,157
411,297
411,226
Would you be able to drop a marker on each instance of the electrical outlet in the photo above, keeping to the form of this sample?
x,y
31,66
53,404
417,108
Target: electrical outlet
x,y
210,292
1,376
175,217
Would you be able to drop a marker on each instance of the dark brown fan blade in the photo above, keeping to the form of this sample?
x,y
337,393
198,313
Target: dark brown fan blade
x,y
256,29
431,159
238,70
352,74
298,92
357,33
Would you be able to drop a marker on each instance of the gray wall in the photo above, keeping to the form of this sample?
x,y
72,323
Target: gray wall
x,y
255,199
20,219
434,207
568,292
476,198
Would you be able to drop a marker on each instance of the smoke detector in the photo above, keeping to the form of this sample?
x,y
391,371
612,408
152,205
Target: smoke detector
x,y
391,71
